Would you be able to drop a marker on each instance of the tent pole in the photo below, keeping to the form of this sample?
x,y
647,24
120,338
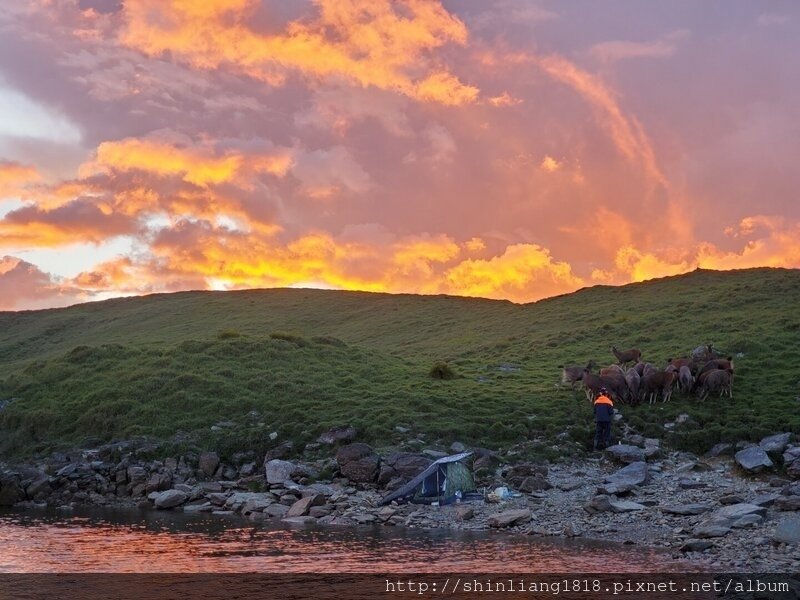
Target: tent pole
x,y
438,489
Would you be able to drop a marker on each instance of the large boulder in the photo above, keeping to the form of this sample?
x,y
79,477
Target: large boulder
x,y
775,444
625,453
509,518
208,463
753,459
278,471
625,479
788,531
404,465
358,462
10,490
170,499
339,434
787,503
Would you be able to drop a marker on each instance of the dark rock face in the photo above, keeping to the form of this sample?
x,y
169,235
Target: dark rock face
x,y
402,465
358,462
282,450
10,490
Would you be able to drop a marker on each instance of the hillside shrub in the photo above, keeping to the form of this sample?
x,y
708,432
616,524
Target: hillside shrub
x,y
441,370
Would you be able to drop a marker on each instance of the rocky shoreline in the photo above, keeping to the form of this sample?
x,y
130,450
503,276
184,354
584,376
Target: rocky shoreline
x,y
729,512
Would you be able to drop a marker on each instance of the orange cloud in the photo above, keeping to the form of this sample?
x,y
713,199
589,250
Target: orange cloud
x,y
200,166
524,272
625,130
367,42
14,177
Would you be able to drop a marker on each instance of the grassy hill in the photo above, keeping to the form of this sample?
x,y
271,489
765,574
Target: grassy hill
x,y
299,361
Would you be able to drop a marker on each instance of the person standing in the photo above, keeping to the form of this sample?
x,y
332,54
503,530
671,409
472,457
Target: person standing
x,y
603,415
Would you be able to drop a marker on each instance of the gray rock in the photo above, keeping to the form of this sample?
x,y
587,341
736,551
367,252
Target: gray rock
x,y
457,447
625,479
753,459
791,455
622,506
338,434
358,462
787,503
691,484
434,454
696,545
276,510
198,508
793,470
509,518
281,451
464,513
747,521
568,486
775,444
278,471
788,530
600,503
625,453
302,506
765,499
170,499
731,499
711,530
686,509
719,450
208,463
737,511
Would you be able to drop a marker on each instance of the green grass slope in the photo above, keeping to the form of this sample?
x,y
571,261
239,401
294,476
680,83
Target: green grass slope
x,y
298,361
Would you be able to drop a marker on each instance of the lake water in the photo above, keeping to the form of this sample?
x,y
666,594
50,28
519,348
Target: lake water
x,y
107,541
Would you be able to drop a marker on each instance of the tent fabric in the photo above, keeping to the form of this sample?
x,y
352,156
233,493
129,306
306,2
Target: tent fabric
x,y
439,481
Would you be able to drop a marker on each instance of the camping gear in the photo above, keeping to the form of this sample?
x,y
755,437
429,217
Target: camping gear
x,y
439,483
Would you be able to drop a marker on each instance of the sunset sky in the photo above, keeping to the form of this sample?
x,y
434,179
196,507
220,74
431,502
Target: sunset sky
x,y
508,149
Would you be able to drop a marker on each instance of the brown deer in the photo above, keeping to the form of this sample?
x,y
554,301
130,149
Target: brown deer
x,y
633,355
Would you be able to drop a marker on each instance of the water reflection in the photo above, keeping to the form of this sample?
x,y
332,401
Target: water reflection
x,y
165,542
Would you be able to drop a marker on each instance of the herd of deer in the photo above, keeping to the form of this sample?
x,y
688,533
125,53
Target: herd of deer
x,y
633,381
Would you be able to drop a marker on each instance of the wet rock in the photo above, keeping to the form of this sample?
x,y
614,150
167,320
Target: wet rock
x,y
686,509
198,508
775,444
509,518
625,479
208,463
626,454
337,435
402,465
464,513
170,499
358,462
753,459
302,506
696,545
363,518
787,503
788,531
278,471
307,520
